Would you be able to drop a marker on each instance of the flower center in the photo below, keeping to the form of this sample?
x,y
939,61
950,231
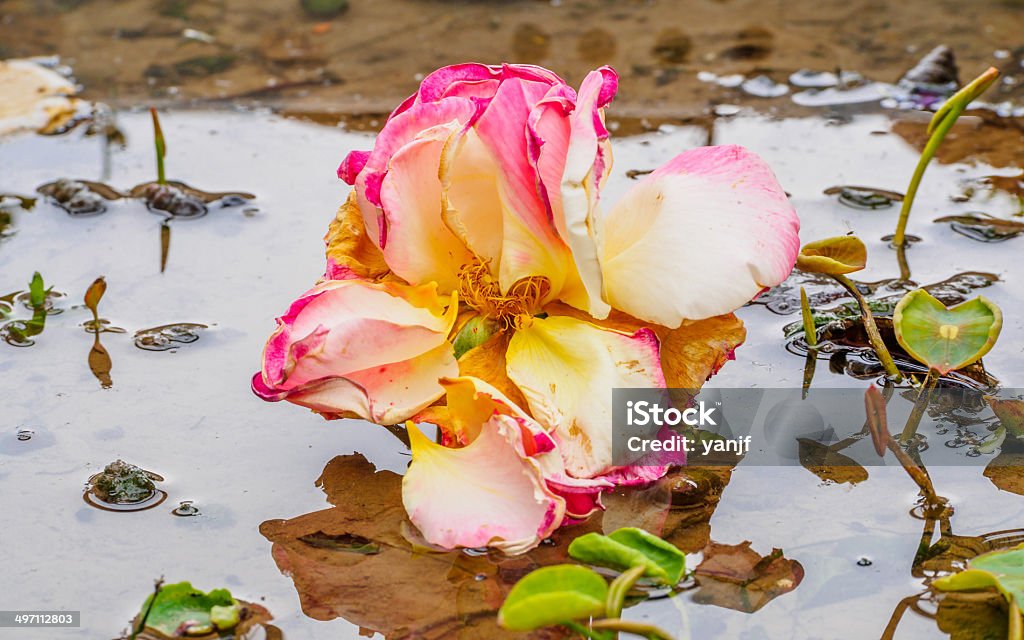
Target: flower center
x,y
481,291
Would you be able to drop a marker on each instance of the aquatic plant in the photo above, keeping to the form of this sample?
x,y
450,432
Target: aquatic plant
x,y
941,123
567,594
943,339
1002,571
836,257
475,221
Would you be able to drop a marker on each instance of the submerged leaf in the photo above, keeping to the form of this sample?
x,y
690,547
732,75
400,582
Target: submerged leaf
x,y
553,595
833,256
944,338
631,547
1010,413
80,197
864,197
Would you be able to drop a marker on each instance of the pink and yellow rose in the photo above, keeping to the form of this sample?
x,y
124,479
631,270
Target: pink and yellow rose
x,y
474,282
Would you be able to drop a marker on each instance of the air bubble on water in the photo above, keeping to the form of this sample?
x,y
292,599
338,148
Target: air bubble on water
x,y
864,561
764,87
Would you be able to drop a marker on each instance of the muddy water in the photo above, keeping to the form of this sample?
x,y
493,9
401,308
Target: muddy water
x,y
187,413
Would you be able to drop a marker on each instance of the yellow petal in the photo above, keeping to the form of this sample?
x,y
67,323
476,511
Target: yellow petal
x,y
351,253
567,368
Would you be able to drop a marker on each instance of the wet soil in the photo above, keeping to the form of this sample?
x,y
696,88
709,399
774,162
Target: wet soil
x,y
357,65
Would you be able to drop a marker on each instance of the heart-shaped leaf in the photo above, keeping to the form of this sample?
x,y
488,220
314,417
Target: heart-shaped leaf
x,y
946,338
1001,570
553,595
631,547
833,256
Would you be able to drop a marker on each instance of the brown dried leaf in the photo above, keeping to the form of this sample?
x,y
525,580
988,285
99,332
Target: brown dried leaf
x,y
737,577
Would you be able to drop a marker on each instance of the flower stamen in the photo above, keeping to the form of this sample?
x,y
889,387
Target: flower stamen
x,y
513,309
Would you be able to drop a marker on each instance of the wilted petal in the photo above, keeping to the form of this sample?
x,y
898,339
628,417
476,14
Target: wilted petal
x,y
488,493
420,246
385,341
351,254
699,237
587,165
567,368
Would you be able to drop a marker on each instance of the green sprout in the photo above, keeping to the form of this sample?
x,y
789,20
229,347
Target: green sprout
x,y
940,124
161,147
836,257
564,595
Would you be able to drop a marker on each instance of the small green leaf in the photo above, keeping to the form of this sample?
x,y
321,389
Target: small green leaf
x,y
37,291
1001,570
553,595
946,338
833,256
631,547
474,333
225,617
181,602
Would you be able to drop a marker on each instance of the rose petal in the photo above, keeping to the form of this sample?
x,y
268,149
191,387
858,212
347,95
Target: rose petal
x,y
699,237
420,246
588,163
487,493
351,254
567,369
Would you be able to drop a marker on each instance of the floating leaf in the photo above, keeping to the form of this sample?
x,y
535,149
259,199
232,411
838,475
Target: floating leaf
x,y
737,577
999,570
182,201
176,605
1010,414
864,197
631,547
164,337
80,197
833,256
553,595
984,227
829,465
944,338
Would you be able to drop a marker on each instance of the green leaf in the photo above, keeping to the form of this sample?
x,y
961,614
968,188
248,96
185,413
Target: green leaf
x,y
946,338
474,333
37,291
553,595
631,547
833,256
1001,570
180,602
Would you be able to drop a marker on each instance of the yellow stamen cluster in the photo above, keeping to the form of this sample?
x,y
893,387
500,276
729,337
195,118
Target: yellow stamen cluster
x,y
513,309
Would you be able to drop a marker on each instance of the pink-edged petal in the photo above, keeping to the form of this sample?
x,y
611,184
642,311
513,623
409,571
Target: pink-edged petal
x,y
487,493
420,246
352,166
530,242
567,368
699,237
587,164
355,348
472,79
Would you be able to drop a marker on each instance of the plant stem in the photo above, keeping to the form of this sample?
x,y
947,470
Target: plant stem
x,y
923,396
871,328
810,332
619,588
583,631
941,123
161,147
1016,631
641,629
917,473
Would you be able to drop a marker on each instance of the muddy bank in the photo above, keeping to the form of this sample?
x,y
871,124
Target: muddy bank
x,y
364,60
